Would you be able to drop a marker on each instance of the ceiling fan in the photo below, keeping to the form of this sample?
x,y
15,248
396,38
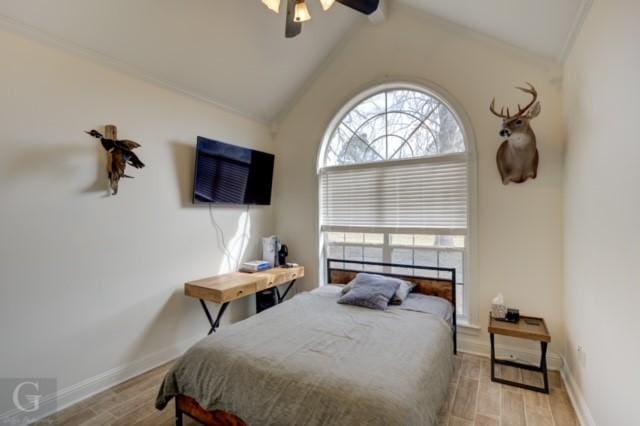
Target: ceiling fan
x,y
297,11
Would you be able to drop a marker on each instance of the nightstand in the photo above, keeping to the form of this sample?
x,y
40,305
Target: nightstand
x,y
530,328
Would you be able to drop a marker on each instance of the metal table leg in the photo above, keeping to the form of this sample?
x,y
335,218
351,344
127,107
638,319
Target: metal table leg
x,y
178,416
214,324
281,298
541,369
543,366
493,357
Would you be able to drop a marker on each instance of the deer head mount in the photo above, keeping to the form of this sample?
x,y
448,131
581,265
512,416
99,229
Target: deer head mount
x,y
518,155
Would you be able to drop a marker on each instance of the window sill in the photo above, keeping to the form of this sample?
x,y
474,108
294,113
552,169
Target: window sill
x,y
465,327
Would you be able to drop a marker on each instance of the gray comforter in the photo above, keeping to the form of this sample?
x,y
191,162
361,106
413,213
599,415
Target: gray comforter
x,y
311,361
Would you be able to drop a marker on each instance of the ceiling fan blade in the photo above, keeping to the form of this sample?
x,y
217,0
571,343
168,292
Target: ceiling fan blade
x,y
363,6
292,28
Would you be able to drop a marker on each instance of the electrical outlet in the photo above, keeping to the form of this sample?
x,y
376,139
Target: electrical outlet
x,y
582,356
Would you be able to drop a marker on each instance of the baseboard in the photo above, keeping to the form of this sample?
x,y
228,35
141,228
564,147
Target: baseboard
x,y
555,361
87,388
477,347
577,399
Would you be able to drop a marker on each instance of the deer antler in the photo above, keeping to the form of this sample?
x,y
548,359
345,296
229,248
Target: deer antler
x,y
531,90
500,114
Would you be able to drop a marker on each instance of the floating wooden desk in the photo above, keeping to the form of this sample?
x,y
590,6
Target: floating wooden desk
x,y
523,330
226,288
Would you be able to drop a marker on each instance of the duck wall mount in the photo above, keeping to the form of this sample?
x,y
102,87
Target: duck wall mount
x,y
119,154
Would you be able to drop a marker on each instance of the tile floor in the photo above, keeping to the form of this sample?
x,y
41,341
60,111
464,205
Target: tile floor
x,y
473,400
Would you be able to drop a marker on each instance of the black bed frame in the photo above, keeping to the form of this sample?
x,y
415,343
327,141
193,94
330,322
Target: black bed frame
x,y
451,281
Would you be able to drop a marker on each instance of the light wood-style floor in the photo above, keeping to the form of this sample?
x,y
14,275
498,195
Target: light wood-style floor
x,y
473,400
130,403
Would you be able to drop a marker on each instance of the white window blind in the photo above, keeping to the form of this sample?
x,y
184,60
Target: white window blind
x,y
422,195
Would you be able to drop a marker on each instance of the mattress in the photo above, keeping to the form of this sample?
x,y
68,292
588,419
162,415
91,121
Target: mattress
x,y
312,361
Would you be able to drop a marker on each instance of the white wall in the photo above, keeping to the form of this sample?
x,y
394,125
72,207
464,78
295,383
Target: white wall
x,y
519,227
602,225
90,283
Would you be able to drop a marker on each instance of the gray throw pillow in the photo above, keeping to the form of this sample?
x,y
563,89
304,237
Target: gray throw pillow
x,y
370,291
402,292
404,287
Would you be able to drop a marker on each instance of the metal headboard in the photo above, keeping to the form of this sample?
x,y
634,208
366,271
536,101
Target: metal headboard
x,y
414,278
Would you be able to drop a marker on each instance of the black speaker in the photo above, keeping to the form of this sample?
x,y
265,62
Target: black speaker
x,y
266,299
282,255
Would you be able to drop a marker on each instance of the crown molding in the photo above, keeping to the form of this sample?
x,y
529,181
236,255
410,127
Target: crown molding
x,y
30,32
523,53
573,33
320,69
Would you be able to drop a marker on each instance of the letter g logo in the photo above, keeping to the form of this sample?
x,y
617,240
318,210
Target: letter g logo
x,y
33,400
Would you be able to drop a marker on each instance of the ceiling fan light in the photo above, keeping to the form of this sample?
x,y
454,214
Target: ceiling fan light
x,y
326,4
272,4
301,13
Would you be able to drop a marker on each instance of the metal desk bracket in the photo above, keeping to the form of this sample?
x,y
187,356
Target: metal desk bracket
x,y
281,298
214,324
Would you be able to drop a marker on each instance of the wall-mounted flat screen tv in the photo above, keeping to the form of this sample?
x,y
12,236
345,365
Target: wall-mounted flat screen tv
x,y
230,174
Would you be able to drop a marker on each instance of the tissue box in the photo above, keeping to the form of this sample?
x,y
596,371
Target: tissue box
x,y
498,310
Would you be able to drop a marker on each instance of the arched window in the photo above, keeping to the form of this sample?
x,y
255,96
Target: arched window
x,y
393,125
394,183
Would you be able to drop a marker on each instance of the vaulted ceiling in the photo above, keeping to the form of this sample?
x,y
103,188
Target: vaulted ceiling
x,y
543,27
233,52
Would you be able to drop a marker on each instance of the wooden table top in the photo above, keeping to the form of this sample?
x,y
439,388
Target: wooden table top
x,y
521,329
235,285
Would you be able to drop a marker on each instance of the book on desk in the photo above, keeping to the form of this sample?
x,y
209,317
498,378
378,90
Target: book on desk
x,y
255,266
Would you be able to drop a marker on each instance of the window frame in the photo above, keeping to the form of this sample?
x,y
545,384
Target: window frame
x,y
387,248
430,89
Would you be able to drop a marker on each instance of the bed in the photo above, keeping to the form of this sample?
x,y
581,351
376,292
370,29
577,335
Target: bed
x,y
313,361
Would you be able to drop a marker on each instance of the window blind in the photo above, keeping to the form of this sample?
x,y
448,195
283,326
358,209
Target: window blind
x,y
429,195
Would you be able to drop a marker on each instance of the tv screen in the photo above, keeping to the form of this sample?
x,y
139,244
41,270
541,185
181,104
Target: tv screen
x,y
229,174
